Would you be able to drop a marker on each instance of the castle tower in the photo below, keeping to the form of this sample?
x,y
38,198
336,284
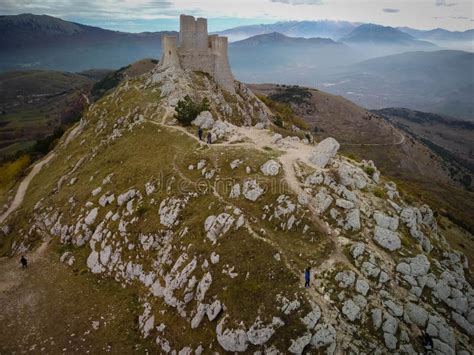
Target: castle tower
x,y
187,32
201,34
222,73
194,49
169,55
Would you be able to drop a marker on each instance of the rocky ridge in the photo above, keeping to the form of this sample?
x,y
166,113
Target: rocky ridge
x,y
124,195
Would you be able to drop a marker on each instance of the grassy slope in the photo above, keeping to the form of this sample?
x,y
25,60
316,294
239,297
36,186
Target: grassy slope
x,y
50,308
153,153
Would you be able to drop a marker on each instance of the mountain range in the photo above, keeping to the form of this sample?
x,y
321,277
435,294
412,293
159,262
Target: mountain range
x,y
307,29
340,29
44,42
463,40
439,81
383,40
280,57
32,41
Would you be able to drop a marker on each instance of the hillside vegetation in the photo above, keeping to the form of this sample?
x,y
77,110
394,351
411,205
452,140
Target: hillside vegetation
x,y
205,245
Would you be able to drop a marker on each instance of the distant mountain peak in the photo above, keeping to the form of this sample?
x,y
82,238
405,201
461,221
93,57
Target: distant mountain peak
x,y
274,38
379,33
45,23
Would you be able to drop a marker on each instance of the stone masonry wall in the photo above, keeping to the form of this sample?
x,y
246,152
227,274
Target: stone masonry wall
x,y
196,50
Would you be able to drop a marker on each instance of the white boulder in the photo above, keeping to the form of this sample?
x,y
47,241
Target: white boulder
x,y
322,201
350,310
385,221
324,152
387,239
216,227
204,120
91,217
252,190
234,340
270,168
324,335
297,346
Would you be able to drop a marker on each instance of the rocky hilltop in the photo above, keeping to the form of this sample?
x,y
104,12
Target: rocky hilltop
x,y
214,239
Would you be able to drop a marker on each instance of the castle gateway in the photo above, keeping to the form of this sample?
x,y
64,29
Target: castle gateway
x,y
196,50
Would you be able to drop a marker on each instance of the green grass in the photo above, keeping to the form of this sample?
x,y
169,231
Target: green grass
x,y
54,306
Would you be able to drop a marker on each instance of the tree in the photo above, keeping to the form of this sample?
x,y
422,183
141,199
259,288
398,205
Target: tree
x,y
187,110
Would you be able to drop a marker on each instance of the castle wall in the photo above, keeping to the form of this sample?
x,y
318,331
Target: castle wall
x,y
196,50
197,61
169,55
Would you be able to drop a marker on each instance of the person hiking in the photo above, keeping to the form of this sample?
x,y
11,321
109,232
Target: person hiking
x,y
209,138
307,277
24,262
200,133
427,341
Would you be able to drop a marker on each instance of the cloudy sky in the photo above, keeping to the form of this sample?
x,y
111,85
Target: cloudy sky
x,y
153,15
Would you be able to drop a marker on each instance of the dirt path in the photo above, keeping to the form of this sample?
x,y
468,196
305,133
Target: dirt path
x,y
399,142
20,194
86,98
290,155
72,134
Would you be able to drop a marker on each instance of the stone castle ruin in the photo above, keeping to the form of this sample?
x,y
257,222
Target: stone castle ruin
x,y
194,49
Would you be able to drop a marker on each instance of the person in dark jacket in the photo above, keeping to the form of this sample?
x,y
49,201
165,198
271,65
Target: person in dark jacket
x,y
427,341
307,277
23,261
209,138
200,133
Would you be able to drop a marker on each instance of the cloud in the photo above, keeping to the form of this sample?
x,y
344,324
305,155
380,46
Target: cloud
x,y
299,2
445,3
104,9
391,11
464,18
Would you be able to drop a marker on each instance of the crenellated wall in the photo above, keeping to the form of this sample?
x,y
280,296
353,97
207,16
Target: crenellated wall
x,y
194,49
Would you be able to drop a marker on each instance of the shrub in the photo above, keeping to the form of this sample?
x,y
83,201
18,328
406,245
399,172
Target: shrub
x,y
369,170
284,115
11,171
277,121
353,157
187,110
43,146
293,94
142,210
379,192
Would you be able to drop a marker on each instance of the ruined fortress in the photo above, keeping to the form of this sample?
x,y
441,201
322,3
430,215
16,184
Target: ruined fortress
x,y
194,49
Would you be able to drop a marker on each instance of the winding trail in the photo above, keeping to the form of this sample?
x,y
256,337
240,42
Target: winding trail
x,y
290,154
399,142
20,193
